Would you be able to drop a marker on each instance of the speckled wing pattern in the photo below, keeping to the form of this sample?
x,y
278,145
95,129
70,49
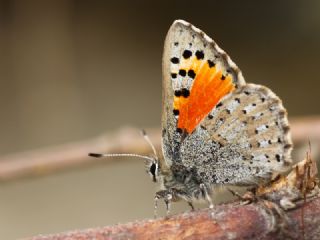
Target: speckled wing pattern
x,y
213,123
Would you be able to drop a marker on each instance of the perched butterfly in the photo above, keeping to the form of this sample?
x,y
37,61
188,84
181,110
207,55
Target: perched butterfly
x,y
216,129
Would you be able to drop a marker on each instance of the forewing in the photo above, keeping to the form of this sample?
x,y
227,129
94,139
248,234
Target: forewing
x,y
197,74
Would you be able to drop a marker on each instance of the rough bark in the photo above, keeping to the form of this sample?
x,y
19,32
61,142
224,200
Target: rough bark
x,y
228,221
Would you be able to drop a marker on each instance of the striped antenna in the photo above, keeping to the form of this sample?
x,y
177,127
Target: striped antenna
x,y
144,134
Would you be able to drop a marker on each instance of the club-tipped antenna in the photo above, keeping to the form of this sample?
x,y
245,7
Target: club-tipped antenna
x,y
146,137
101,155
144,134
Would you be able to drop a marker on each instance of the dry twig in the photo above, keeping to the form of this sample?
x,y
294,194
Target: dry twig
x,y
229,221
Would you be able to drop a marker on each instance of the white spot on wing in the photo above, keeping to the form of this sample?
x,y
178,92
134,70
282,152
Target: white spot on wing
x,y
249,108
263,143
262,128
260,157
233,105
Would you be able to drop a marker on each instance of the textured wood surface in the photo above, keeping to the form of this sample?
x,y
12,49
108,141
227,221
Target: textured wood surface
x,y
228,221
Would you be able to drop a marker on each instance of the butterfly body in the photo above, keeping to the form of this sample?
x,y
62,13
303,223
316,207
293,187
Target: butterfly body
x,y
216,128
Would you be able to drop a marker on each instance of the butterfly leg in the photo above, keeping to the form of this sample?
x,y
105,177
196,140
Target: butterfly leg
x,y
247,198
235,193
155,206
168,205
167,196
191,205
206,194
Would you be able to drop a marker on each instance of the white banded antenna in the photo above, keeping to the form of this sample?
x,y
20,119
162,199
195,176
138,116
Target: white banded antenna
x,y
144,134
100,155
146,137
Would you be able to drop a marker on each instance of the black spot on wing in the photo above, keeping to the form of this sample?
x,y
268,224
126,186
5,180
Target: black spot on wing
x,y
191,73
175,60
203,127
185,92
177,93
173,75
182,72
211,63
199,55
187,54
219,104
287,146
176,112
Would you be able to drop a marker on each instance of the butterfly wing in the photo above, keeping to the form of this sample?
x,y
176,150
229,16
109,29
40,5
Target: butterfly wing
x,y
212,121
244,140
197,74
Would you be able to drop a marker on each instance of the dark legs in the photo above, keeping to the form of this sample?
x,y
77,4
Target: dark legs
x,y
174,194
191,205
167,196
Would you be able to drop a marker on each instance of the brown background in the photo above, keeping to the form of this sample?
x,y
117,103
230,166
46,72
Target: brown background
x,y
70,70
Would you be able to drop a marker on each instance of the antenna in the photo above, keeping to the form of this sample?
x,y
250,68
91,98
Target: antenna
x,y
144,134
146,137
100,155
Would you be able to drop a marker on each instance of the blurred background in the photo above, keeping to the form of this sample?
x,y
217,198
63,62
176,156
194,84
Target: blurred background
x,y
71,70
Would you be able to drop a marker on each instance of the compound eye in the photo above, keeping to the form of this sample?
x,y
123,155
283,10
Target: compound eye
x,y
153,169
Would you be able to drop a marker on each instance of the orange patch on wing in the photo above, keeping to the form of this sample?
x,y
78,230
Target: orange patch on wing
x,y
207,90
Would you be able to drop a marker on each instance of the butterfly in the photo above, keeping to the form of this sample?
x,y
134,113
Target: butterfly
x,y
216,128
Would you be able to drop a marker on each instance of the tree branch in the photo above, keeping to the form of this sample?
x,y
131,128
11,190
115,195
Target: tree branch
x,y
47,160
228,221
